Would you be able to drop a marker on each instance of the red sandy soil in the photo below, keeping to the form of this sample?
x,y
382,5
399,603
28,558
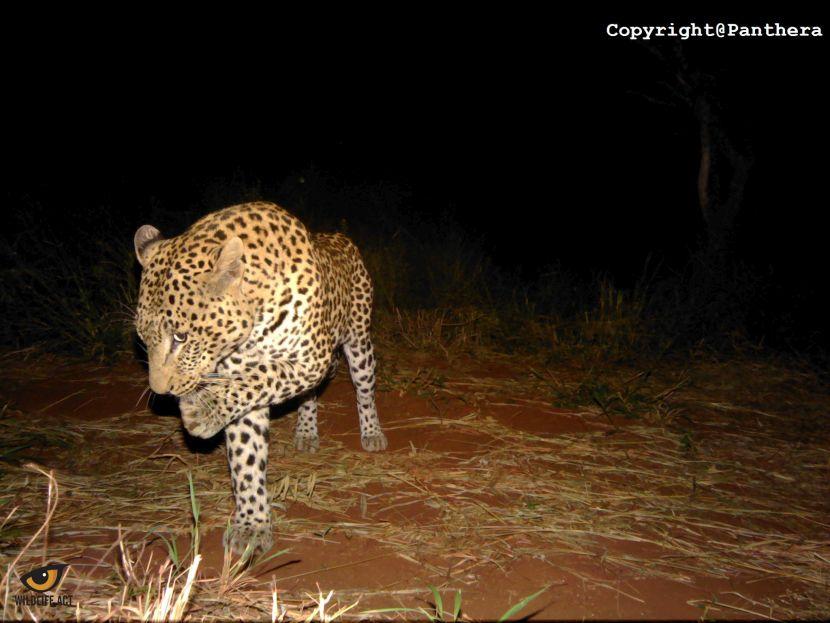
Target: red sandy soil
x,y
353,566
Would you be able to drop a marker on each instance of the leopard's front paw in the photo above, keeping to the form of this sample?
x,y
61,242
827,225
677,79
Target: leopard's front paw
x,y
201,419
374,443
200,428
245,533
308,444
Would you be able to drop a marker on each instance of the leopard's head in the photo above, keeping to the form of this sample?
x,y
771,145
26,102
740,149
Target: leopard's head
x,y
192,307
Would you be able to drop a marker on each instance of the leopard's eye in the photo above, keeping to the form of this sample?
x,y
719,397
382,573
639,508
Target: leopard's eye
x,y
179,337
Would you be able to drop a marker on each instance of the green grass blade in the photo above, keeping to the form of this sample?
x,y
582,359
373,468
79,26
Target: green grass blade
x,y
439,603
195,533
194,503
172,548
396,611
519,606
270,557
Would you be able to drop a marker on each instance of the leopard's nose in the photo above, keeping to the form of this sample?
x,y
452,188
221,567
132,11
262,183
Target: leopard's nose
x,y
159,382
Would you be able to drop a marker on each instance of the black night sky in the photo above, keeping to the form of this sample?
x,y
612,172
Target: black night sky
x,y
539,136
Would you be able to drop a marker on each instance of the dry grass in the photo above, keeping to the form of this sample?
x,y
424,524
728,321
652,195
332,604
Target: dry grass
x,y
717,471
448,331
127,583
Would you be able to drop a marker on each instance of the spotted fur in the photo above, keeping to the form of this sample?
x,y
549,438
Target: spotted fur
x,y
244,310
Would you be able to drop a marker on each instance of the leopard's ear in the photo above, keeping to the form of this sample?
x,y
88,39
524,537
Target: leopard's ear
x,y
145,239
229,267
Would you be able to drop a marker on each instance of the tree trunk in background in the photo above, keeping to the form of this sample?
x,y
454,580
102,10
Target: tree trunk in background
x,y
705,164
722,177
717,289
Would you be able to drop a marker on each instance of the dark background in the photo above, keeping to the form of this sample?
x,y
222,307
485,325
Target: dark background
x,y
538,136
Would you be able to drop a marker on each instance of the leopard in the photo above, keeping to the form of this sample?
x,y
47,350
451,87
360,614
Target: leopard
x,y
244,310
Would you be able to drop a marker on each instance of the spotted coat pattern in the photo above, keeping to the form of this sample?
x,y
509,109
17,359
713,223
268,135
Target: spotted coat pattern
x,y
244,310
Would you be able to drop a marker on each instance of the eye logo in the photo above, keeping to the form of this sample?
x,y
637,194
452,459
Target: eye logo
x,y
45,578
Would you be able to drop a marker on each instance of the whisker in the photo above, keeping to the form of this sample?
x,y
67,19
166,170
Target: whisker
x,y
204,403
147,389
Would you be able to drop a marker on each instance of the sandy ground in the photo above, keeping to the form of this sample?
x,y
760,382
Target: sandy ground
x,y
427,442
